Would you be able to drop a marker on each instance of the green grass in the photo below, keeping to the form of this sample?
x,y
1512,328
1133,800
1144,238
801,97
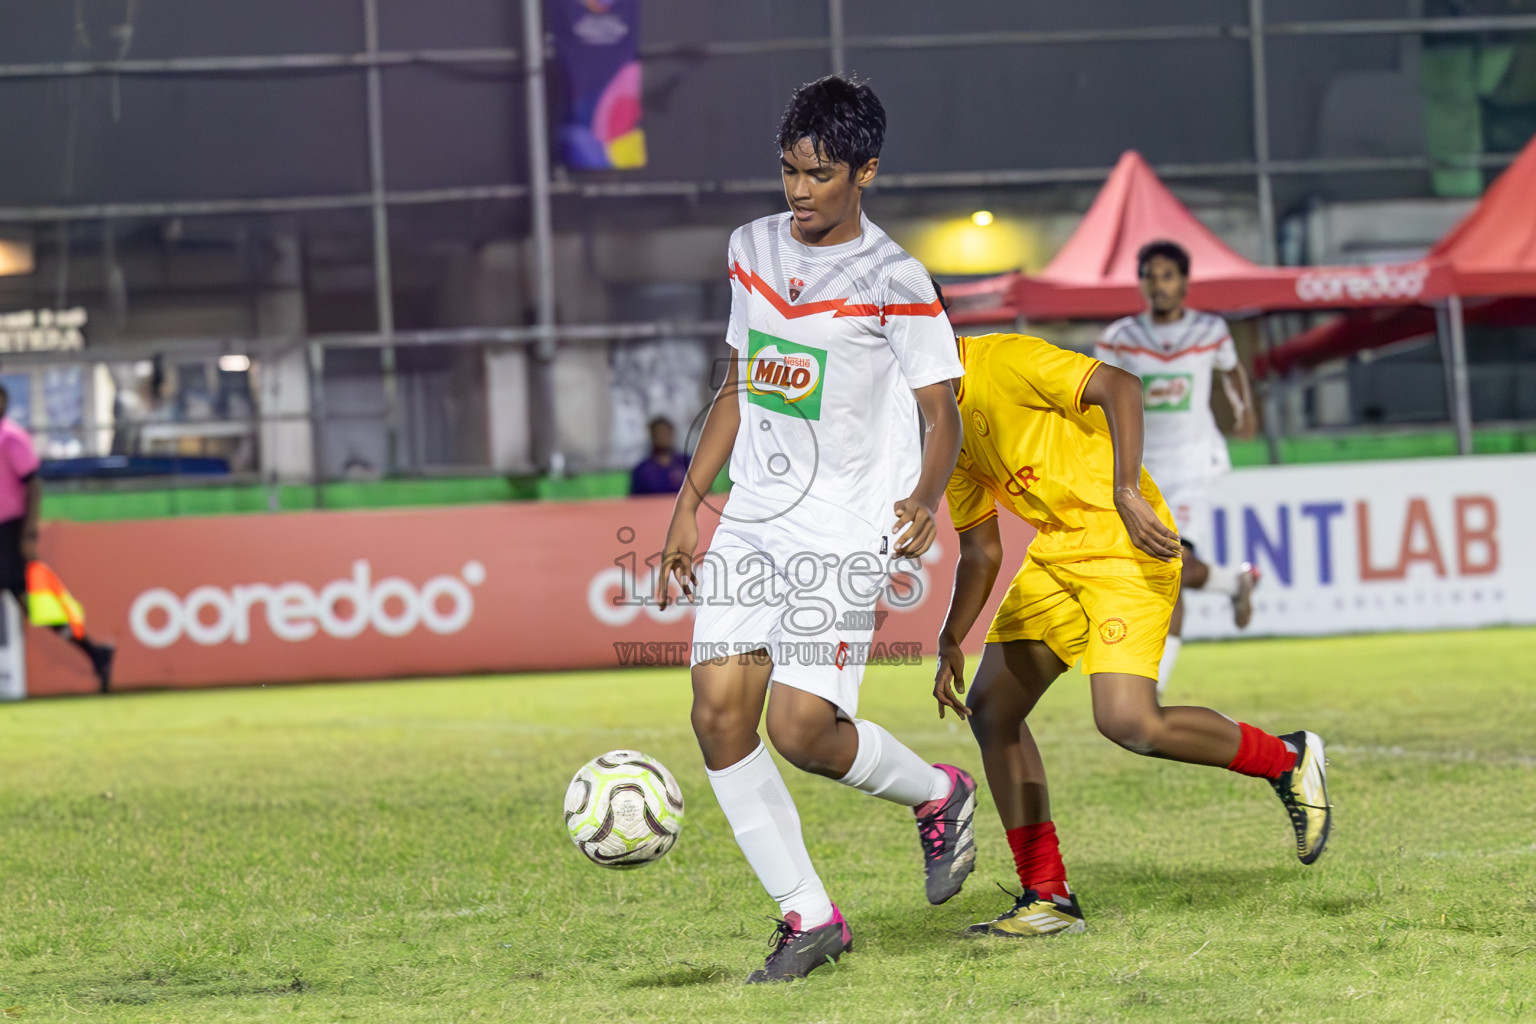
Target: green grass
x,y
394,852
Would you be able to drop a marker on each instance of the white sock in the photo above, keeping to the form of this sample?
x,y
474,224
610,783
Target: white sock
x,y
752,794
885,768
1221,579
1165,667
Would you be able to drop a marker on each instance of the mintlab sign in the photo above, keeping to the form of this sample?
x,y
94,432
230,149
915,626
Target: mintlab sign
x,y
43,330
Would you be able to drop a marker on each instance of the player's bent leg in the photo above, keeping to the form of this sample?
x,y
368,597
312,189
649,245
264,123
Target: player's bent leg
x,y
1012,677
763,818
1236,584
1193,573
807,730
1126,711
727,707
1242,596
728,702
1010,680
1131,605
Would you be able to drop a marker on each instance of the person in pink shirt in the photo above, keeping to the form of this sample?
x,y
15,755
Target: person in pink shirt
x,y
21,496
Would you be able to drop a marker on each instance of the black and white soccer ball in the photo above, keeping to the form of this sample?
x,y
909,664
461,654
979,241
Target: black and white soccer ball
x,y
623,809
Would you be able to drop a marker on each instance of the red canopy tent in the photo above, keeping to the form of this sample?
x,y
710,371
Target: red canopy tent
x,y
1493,249
1093,277
1491,254
1094,274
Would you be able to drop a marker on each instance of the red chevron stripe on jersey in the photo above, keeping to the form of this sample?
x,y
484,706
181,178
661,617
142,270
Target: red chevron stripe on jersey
x,y
837,307
1167,357
933,308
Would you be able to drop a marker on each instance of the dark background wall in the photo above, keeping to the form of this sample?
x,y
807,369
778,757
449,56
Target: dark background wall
x,y
178,281
148,137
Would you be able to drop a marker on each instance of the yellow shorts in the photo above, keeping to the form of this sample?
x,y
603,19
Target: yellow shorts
x,y
1111,612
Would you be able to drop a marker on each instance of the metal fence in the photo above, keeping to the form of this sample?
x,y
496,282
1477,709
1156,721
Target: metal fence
x,y
545,335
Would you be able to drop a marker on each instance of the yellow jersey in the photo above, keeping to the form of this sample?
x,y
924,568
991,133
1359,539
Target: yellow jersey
x,y
1031,446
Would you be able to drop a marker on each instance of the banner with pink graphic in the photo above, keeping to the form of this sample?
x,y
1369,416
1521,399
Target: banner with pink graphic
x,y
597,52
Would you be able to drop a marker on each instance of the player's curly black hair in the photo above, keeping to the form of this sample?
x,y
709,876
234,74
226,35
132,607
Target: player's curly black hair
x,y
1171,251
843,119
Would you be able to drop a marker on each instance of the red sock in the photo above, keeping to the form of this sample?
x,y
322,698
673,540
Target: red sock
x,y
1038,859
1261,755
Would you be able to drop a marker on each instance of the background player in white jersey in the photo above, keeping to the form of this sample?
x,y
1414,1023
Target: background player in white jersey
x,y
839,338
1176,351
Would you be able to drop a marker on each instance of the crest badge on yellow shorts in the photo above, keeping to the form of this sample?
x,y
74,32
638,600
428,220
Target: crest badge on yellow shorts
x,y
1112,631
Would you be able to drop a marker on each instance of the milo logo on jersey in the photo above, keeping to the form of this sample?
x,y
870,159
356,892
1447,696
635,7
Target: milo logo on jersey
x,y
1167,392
781,373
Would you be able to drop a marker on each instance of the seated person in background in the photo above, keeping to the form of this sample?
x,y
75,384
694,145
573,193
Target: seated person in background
x,y
664,469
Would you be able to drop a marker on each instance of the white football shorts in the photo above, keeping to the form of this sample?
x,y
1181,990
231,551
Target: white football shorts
x,y
808,600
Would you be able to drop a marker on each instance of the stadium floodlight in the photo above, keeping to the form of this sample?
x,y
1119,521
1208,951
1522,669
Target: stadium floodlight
x,y
16,256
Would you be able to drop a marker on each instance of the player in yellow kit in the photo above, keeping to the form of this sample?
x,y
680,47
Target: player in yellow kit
x,y
1055,438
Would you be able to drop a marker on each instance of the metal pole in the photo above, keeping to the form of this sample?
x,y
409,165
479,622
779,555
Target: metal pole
x,y
1447,361
541,363
273,346
1457,24
1272,392
383,285
314,365
1461,407
504,57
1261,129
295,62
1004,178
835,41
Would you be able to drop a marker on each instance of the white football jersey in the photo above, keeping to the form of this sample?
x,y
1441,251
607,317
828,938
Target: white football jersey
x,y
832,340
1175,362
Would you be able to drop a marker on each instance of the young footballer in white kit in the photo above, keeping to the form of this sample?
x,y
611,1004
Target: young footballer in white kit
x,y
1176,351
839,340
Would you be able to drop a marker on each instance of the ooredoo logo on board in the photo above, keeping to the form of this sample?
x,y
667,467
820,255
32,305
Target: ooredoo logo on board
x,y
1363,283
344,608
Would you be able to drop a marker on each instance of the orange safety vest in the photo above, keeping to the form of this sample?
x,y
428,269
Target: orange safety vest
x,y
49,602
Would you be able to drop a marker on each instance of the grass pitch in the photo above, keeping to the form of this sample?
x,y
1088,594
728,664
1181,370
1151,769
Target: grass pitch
x,y
394,852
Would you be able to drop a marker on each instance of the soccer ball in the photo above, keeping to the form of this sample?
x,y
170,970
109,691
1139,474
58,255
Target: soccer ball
x,y
623,809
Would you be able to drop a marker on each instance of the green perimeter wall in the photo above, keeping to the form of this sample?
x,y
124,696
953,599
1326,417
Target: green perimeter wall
x,y
1368,447
96,503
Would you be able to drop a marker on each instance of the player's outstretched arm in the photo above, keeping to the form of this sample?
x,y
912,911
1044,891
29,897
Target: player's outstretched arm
x,y
981,555
1235,383
1119,394
709,457
914,527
